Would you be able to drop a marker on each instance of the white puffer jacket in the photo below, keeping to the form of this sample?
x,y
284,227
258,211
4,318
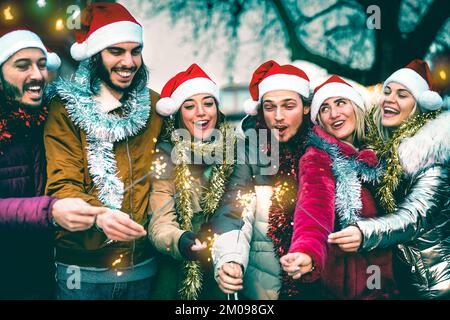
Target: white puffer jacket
x,y
253,249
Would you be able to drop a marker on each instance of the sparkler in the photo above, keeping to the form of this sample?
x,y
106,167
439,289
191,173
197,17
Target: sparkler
x,y
158,167
244,201
280,190
161,166
116,262
211,241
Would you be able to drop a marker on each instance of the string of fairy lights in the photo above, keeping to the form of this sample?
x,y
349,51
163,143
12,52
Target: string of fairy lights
x,y
54,14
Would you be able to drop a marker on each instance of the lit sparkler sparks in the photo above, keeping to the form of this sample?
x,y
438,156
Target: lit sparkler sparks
x,y
115,263
211,241
280,190
245,200
158,167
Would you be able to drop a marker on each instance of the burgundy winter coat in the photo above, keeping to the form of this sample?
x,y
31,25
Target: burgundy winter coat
x,y
26,233
343,275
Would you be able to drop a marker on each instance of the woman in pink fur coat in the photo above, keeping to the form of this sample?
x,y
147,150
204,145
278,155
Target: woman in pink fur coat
x,y
335,191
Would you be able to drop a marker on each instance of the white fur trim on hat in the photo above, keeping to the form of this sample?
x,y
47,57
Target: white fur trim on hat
x,y
410,79
113,33
281,81
334,89
17,40
251,107
185,90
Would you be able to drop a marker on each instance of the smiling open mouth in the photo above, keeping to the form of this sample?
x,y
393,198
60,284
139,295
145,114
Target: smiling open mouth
x,y
390,111
124,74
34,91
338,124
202,124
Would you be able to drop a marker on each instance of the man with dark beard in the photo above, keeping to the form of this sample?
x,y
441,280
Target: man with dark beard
x,y
99,137
27,218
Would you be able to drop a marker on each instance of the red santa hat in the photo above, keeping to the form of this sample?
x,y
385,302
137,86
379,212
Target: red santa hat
x,y
271,76
416,77
104,24
182,86
13,40
334,87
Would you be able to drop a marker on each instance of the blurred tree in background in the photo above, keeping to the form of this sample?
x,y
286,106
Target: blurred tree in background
x,y
337,35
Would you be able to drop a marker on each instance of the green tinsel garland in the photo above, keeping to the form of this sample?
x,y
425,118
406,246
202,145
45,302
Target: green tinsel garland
x,y
389,152
211,196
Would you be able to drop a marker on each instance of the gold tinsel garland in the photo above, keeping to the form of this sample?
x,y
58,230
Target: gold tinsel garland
x,y
389,152
211,195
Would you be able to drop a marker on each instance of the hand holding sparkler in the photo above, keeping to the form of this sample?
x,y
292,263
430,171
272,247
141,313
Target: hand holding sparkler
x,y
75,214
348,239
199,246
296,264
230,277
118,226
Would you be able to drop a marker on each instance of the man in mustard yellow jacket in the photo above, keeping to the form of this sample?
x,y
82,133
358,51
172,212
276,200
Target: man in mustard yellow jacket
x,y
99,139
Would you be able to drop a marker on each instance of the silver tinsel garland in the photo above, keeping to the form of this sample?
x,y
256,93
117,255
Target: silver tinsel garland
x,y
348,173
102,130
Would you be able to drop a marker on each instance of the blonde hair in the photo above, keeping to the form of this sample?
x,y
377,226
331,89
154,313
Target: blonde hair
x,y
359,134
386,132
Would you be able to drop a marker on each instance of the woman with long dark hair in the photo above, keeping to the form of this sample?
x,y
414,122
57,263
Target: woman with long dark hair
x,y
193,165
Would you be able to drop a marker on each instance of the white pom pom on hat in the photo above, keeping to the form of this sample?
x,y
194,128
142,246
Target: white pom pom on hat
x,y
430,100
251,107
53,60
166,106
78,51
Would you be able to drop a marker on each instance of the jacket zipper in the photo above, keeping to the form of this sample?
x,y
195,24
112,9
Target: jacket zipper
x,y
130,163
409,257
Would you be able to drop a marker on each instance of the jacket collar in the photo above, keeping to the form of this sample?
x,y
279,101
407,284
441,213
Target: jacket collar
x,y
365,155
429,146
106,102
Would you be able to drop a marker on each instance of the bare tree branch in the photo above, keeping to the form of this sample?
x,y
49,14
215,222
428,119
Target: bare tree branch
x,y
392,48
299,51
420,39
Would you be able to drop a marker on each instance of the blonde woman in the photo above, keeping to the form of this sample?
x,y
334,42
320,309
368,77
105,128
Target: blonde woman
x,y
336,177
414,138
